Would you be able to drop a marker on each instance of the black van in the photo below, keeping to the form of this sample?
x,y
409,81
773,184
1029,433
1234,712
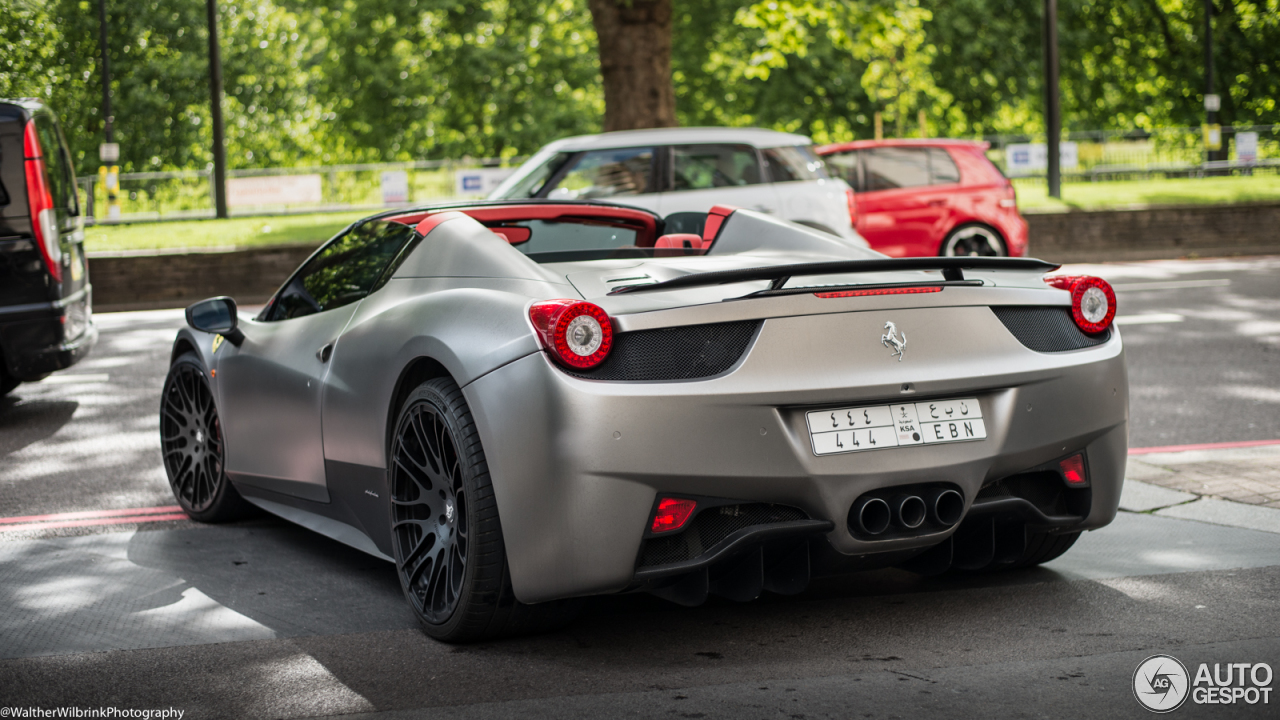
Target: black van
x,y
46,319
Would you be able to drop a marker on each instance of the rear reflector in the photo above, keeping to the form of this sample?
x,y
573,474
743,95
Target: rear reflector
x,y
1073,470
672,514
879,291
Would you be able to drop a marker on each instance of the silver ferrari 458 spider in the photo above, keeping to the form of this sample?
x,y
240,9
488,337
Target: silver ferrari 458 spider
x,y
523,403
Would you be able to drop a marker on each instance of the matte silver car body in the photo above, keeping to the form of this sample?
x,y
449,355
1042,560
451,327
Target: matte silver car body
x,y
577,464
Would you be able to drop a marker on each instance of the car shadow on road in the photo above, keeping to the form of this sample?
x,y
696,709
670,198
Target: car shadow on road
x,y
25,422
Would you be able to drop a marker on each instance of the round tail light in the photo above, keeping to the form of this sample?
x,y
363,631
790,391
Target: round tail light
x,y
577,333
1093,302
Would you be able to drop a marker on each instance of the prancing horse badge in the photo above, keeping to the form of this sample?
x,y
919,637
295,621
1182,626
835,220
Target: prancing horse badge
x,y
891,340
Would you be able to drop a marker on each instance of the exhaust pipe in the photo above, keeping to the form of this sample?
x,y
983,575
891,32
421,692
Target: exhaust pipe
x,y
909,511
946,507
870,516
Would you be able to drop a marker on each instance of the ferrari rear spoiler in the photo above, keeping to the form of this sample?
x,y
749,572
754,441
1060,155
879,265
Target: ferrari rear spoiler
x,y
952,272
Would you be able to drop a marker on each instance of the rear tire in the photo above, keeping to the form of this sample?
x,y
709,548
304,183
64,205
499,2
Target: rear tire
x,y
1043,547
973,241
446,536
194,449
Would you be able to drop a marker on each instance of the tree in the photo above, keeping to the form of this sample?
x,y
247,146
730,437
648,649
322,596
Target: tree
x,y
634,43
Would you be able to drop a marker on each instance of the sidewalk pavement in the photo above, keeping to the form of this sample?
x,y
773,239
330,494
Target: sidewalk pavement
x,y
1239,487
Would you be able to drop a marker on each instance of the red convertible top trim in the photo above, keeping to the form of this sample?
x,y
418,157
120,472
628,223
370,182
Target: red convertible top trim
x,y
513,213
430,222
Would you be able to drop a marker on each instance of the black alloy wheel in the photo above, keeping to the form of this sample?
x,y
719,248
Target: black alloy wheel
x,y
429,512
446,538
192,442
973,241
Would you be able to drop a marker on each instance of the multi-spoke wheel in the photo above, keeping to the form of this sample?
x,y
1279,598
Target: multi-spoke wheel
x,y
973,240
429,512
192,442
446,537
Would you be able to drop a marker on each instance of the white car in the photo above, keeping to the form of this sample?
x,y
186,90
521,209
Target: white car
x,y
677,170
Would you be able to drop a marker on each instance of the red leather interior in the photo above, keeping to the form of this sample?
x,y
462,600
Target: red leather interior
x,y
678,244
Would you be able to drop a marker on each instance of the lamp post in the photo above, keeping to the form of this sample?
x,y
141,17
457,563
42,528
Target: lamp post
x,y
215,89
108,152
1213,139
1052,112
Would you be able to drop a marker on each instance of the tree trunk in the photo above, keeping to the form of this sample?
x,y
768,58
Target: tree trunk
x,y
635,63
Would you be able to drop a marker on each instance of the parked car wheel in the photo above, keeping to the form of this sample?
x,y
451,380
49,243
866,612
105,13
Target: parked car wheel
x,y
446,537
973,240
193,446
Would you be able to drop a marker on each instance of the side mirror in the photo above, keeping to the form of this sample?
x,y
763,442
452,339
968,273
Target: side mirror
x,y
216,315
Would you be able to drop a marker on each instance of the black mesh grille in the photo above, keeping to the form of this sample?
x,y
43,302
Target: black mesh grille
x,y
1047,329
710,527
689,352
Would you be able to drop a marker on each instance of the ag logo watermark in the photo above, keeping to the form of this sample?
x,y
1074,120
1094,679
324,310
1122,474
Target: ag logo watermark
x,y
1162,684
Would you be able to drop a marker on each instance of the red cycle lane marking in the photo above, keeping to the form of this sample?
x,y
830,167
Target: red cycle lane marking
x,y
91,514
98,521
1202,446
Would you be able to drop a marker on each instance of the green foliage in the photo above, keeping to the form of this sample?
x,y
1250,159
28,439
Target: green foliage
x,y
311,82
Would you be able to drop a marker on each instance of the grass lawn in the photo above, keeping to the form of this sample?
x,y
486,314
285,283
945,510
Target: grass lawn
x,y
235,232
1034,194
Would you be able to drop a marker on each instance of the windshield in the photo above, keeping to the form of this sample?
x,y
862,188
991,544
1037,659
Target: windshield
x,y
529,184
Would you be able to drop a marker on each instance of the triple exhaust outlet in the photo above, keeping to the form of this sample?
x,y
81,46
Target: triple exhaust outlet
x,y
874,515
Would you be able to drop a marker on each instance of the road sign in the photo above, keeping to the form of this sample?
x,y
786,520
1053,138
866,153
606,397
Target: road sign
x,y
1030,158
479,181
1212,103
395,187
1247,147
109,152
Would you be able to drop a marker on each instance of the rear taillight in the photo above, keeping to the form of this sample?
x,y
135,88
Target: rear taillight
x,y
1093,302
44,219
1010,199
853,207
1073,470
672,514
577,333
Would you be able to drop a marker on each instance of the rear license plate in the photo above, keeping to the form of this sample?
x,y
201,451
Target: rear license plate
x,y
875,427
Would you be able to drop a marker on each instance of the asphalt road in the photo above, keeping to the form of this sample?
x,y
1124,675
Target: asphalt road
x,y
263,619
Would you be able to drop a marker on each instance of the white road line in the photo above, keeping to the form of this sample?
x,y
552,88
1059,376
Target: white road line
x,y
1148,319
1170,285
72,379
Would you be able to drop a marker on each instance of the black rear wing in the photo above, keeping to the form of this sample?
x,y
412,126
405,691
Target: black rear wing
x,y
952,271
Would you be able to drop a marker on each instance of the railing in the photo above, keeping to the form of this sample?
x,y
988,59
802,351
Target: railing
x,y
1144,154
189,194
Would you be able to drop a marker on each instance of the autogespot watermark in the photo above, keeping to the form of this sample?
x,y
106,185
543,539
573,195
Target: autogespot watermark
x,y
92,712
1162,684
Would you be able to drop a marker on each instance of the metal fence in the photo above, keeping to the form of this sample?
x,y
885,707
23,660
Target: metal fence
x,y
189,194
1103,155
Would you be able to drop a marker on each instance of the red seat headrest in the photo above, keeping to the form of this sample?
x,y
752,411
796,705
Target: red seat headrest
x,y
678,244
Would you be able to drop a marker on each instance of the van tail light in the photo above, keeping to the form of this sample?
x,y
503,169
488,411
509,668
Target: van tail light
x,y
1093,301
672,514
853,208
576,333
44,219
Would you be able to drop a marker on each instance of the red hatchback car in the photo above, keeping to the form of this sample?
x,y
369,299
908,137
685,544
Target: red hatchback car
x,y
929,197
